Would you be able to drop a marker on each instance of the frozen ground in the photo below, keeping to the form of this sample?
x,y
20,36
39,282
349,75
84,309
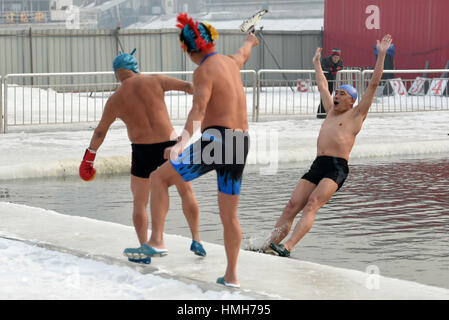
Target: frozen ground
x,y
31,272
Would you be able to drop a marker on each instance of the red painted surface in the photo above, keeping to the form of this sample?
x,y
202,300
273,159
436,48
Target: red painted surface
x,y
420,31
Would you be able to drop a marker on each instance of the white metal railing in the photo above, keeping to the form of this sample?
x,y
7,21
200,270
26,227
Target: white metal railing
x,y
277,95
417,93
56,98
53,98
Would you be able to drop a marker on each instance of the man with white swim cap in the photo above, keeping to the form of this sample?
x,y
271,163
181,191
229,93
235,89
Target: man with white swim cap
x,y
139,103
335,141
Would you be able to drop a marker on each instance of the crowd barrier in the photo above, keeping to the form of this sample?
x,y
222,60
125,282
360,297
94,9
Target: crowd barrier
x,y
80,97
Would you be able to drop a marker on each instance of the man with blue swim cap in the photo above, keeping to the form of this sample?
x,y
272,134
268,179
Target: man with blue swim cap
x,y
330,168
350,90
139,103
126,61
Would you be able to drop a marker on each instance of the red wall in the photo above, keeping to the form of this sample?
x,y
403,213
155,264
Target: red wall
x,y
420,31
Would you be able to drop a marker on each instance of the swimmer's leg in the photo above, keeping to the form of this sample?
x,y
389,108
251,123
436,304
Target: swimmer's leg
x,y
297,202
318,198
160,180
232,233
140,188
190,208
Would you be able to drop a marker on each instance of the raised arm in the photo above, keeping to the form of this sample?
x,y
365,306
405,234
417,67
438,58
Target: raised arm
x,y
321,81
244,53
368,96
169,84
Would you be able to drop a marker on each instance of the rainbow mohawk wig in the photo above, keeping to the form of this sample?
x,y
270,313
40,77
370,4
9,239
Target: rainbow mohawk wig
x,y
195,36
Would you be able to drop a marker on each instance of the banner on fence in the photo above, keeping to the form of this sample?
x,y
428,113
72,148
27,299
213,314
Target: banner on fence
x,y
437,87
304,85
398,87
417,87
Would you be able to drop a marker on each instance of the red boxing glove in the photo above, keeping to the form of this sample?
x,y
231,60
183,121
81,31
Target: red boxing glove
x,y
87,170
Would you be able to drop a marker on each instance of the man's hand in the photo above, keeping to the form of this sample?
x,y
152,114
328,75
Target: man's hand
x,y
252,39
368,97
317,56
384,44
189,86
87,171
172,153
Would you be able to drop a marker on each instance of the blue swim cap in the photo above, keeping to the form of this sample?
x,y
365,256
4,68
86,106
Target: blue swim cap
x,y
350,89
126,61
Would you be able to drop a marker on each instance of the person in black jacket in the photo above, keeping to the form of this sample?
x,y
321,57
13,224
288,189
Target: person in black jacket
x,y
330,65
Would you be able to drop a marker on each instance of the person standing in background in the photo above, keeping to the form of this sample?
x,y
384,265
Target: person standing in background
x,y
330,65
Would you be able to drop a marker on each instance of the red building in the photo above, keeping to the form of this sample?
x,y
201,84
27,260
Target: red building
x,y
419,29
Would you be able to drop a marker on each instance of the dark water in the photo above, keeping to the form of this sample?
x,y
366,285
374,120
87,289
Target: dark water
x,y
391,213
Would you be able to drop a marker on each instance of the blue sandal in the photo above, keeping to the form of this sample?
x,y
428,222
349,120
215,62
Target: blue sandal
x,y
144,251
197,248
280,250
222,281
142,261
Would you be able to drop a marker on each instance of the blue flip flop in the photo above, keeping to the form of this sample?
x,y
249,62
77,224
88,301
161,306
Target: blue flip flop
x,y
142,261
222,281
144,251
197,248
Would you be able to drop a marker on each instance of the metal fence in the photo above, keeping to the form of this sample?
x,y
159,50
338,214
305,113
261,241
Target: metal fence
x,y
80,97
77,101
278,95
406,91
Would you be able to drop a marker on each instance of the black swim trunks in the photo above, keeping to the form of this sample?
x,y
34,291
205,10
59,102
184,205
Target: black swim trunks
x,y
333,168
148,157
221,149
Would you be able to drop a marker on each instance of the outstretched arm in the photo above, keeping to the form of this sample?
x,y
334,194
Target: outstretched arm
x,y
169,83
243,54
321,81
368,96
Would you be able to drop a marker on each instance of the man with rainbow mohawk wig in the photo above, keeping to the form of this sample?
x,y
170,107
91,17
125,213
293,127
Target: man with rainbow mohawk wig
x,y
219,109
139,103
330,168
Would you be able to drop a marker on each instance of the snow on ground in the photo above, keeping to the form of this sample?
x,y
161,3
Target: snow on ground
x,y
31,272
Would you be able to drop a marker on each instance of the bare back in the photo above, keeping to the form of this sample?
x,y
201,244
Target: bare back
x,y
227,104
338,132
139,103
